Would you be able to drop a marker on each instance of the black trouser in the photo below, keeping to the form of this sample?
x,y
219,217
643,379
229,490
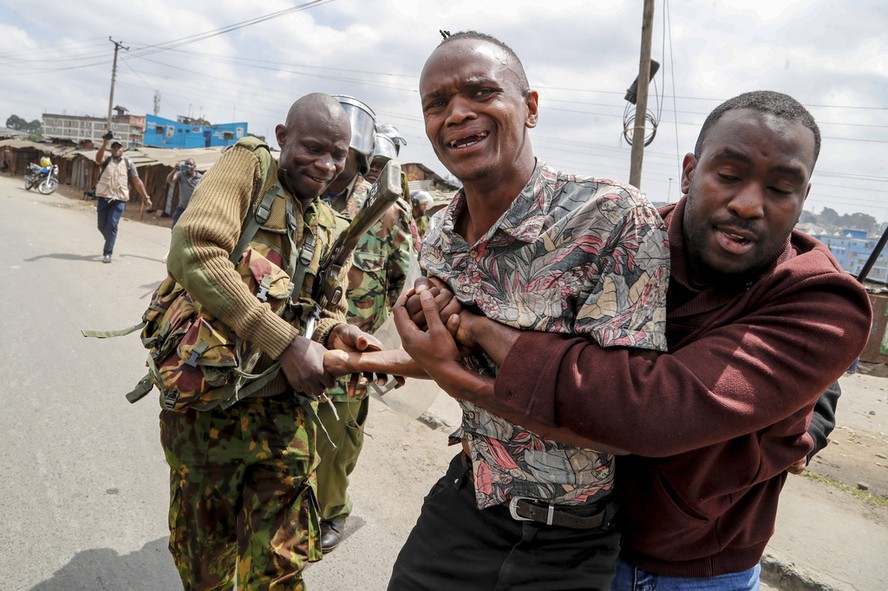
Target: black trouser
x,y
454,545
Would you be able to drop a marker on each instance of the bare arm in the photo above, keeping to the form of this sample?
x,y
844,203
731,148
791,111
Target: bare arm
x,y
394,362
172,175
100,155
140,187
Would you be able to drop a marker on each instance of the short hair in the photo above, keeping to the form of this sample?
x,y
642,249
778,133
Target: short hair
x,y
770,102
513,59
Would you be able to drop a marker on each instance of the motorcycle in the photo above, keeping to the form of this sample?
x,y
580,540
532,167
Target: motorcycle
x,y
45,178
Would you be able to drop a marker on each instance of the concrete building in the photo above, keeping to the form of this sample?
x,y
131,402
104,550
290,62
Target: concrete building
x,y
852,248
185,132
75,129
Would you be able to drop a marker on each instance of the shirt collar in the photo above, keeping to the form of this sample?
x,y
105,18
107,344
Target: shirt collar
x,y
321,213
525,217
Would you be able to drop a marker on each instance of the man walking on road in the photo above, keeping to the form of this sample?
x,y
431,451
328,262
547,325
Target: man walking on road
x,y
112,191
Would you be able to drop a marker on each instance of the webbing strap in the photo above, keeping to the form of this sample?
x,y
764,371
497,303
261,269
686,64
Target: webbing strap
x,y
254,222
305,257
142,388
309,409
104,334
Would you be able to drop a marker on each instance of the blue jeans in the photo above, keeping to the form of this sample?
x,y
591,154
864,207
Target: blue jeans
x,y
176,215
629,578
109,214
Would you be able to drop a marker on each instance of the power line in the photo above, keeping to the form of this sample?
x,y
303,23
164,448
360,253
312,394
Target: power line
x,y
151,49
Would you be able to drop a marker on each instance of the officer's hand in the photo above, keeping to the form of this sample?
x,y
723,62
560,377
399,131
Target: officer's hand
x,y
345,337
303,364
351,338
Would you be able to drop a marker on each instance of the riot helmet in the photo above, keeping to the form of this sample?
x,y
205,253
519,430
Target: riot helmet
x,y
363,124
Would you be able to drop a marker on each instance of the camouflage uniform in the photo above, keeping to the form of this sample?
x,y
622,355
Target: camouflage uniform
x,y
242,484
242,493
377,276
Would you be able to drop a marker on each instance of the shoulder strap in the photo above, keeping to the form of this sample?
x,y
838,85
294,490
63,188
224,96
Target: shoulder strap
x,y
260,215
254,222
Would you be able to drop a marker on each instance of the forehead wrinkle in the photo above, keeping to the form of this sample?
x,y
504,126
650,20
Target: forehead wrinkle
x,y
732,154
476,52
727,153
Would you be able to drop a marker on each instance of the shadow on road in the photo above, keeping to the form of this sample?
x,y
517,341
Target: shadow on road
x,y
103,569
66,256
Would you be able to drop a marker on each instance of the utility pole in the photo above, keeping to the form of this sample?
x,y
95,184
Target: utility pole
x,y
117,46
644,76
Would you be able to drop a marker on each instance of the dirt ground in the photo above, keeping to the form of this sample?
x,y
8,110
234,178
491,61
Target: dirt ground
x,y
857,454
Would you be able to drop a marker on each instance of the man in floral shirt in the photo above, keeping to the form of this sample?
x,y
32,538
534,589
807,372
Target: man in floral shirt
x,y
537,250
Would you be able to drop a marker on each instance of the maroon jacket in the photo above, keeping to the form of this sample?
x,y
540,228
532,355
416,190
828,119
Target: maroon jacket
x,y
719,418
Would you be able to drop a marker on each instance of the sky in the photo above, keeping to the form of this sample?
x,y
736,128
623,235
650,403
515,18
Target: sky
x,y
229,60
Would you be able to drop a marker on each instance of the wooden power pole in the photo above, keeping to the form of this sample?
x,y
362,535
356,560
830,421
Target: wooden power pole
x,y
644,77
117,46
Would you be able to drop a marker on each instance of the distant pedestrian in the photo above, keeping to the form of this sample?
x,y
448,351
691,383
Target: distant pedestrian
x,y
112,191
186,176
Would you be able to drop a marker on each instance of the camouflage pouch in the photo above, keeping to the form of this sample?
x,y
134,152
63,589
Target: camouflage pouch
x,y
195,360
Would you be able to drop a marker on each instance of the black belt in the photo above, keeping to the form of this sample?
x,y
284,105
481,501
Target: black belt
x,y
528,509
571,516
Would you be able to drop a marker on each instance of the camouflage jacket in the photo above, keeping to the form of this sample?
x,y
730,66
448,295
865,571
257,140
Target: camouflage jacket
x,y
377,275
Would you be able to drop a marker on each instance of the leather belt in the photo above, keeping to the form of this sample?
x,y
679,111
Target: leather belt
x,y
570,516
528,509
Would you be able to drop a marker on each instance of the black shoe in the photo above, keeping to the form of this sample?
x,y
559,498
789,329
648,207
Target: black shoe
x,y
331,535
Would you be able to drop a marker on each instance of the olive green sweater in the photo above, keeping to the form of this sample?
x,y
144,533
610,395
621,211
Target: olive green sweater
x,y
208,232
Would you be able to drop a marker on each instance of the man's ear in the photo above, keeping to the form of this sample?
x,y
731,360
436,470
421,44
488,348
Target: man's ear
x,y
687,172
532,102
280,133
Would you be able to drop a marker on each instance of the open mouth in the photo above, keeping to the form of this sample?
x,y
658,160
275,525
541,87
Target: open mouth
x,y
736,237
733,241
467,141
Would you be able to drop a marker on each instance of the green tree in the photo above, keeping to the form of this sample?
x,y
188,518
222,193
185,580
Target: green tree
x,y
16,122
829,217
862,221
34,127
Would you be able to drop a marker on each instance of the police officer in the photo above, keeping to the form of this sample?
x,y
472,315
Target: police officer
x,y
242,481
377,276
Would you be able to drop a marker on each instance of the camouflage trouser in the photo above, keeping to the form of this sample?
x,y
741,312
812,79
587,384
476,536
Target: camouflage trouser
x,y
242,495
337,464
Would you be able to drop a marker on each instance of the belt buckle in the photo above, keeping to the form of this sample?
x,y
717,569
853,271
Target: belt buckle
x,y
513,510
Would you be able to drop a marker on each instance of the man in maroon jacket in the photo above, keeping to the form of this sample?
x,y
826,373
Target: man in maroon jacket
x,y
760,320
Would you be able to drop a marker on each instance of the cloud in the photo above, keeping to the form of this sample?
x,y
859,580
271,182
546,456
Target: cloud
x,y
580,55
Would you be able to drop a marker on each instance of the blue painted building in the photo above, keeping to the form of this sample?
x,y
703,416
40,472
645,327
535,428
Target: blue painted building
x,y
852,248
190,133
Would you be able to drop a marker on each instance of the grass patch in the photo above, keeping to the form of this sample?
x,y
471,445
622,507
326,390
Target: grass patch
x,y
860,494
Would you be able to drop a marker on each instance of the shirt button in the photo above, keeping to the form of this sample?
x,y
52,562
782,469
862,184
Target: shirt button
x,y
469,437
473,253
470,415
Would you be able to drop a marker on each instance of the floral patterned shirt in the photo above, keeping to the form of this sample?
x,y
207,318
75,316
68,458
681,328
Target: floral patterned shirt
x,y
573,255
